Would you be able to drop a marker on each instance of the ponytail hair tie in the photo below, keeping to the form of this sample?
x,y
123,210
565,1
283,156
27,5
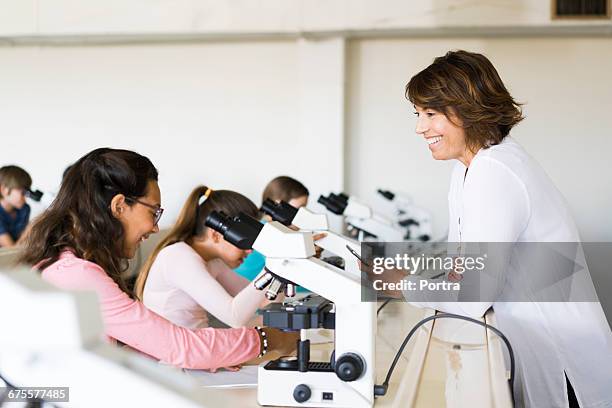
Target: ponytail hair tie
x,y
204,196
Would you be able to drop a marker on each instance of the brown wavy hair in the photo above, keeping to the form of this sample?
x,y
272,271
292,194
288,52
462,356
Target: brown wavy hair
x,y
191,222
80,219
284,188
465,85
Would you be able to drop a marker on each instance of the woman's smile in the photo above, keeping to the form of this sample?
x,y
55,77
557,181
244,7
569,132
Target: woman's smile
x,y
433,141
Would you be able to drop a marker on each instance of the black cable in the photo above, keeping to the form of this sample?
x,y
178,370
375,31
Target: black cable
x,y
437,276
380,390
383,305
8,386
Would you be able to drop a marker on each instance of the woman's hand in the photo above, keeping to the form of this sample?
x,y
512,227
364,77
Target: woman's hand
x,y
455,276
315,237
318,249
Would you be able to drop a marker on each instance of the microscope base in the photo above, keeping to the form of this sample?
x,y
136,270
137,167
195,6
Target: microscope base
x,y
280,387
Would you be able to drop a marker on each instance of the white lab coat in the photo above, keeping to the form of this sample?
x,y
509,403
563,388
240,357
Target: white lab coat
x,y
507,197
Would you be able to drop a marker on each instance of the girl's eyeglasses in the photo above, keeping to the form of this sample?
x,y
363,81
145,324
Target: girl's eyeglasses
x,y
158,210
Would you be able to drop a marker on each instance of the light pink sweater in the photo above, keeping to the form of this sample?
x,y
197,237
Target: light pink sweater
x,y
184,288
130,322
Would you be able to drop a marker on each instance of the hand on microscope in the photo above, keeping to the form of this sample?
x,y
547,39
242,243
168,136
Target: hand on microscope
x,y
280,344
315,237
318,249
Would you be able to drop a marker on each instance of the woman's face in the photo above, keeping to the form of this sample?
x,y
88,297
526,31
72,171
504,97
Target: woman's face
x,y
299,202
445,139
138,219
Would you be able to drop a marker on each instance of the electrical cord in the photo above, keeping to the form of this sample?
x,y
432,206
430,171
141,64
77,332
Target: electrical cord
x,y
385,303
4,383
380,390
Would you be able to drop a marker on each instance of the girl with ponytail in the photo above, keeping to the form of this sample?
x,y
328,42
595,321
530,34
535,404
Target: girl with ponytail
x,y
108,203
189,274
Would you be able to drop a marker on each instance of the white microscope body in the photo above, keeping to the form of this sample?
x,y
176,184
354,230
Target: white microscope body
x,y
360,217
54,338
308,221
290,260
401,208
355,330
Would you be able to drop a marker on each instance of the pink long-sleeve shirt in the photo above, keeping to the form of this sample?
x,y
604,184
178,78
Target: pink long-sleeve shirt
x,y
130,322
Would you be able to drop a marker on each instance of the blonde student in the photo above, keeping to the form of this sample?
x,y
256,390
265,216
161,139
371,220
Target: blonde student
x,y
189,274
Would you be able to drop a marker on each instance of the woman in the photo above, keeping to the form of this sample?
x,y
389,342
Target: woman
x,y
188,274
498,193
107,205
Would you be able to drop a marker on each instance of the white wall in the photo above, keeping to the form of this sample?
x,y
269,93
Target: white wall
x,y
564,82
229,115
184,17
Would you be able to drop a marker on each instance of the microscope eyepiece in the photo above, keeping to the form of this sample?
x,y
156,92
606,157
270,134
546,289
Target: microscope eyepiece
x,y
387,194
333,203
282,212
269,207
217,220
34,195
341,197
241,231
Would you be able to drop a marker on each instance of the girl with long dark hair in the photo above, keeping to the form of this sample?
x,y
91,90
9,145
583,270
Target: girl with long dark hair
x,y
110,202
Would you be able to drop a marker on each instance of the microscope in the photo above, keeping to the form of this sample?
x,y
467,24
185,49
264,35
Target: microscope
x,y
415,220
361,220
346,248
348,379
43,197
77,356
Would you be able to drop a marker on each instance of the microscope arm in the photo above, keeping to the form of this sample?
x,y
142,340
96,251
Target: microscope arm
x,y
306,220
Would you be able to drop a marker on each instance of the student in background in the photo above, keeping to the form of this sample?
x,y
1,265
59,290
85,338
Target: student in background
x,y
107,205
189,273
282,188
14,212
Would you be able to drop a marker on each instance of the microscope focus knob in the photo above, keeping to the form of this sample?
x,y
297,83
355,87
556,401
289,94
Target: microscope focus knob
x,y
302,393
349,367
